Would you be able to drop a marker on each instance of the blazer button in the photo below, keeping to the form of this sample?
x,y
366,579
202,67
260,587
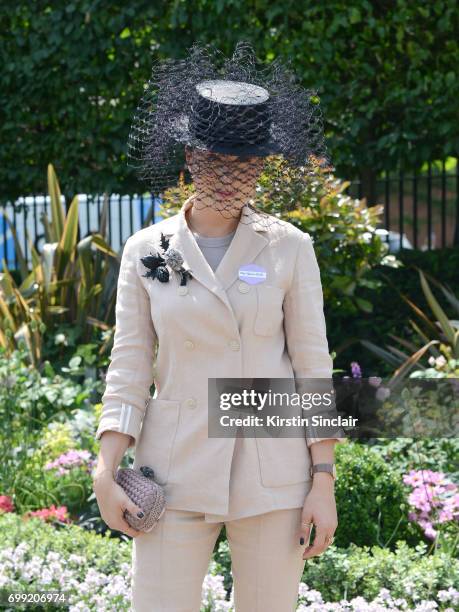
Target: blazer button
x,y
183,290
189,344
234,345
243,287
191,402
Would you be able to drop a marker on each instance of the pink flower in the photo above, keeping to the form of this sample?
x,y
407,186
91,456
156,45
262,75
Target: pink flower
x,y
434,499
52,513
6,504
69,460
429,531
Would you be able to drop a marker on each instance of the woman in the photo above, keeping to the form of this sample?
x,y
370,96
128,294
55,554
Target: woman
x,y
250,307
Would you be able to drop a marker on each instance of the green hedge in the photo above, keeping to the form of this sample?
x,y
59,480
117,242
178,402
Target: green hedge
x,y
73,74
371,500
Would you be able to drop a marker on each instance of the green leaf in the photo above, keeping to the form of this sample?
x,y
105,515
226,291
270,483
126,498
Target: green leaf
x,y
57,209
69,235
354,15
447,328
365,305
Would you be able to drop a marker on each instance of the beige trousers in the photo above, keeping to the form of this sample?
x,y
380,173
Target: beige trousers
x,y
170,562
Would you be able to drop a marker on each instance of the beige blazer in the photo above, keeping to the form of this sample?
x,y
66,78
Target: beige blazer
x,y
216,326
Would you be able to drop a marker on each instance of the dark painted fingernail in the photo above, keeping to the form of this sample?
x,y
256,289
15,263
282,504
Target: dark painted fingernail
x,y
140,514
301,541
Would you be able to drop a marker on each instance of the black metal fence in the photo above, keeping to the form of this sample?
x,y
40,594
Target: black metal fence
x,y
125,215
421,208
421,211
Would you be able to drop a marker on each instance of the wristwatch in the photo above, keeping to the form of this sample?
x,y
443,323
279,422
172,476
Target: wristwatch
x,y
323,467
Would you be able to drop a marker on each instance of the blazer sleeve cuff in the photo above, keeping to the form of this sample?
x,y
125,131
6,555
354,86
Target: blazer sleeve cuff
x,y
328,433
124,418
311,441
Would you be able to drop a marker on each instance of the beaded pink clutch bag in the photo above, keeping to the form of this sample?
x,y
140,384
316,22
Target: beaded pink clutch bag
x,y
141,488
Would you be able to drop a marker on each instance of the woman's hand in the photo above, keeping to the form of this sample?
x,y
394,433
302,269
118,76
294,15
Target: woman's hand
x,y
319,508
112,501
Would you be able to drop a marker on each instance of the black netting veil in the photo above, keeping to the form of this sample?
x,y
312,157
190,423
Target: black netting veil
x,y
219,119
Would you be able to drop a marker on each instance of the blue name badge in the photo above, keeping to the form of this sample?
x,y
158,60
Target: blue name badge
x,y
252,274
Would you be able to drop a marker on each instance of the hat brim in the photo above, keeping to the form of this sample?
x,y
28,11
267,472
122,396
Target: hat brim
x,y
180,132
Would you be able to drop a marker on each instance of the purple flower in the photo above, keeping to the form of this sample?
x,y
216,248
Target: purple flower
x,y
356,370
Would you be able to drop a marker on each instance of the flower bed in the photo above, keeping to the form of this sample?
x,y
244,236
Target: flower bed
x,y
95,571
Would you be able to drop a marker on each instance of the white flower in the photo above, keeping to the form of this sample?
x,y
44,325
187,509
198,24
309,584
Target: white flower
x,y
60,339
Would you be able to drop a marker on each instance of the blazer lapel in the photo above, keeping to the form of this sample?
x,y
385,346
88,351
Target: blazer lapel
x,y
247,242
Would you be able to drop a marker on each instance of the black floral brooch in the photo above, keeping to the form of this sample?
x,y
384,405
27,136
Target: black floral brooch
x,y
157,264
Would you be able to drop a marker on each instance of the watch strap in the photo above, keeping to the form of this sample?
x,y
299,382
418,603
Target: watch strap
x,y
323,467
